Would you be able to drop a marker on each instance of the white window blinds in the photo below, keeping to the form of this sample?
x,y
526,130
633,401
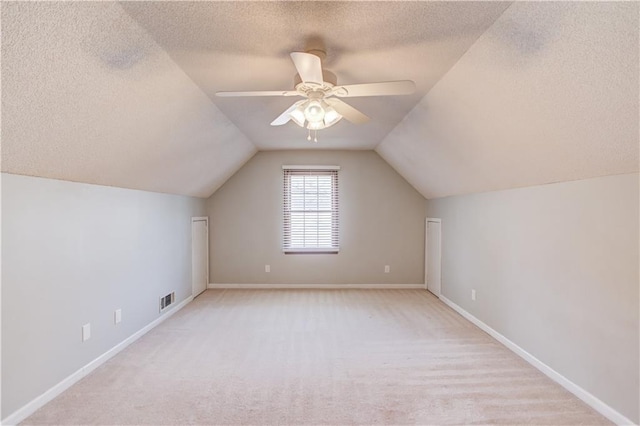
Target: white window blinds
x,y
310,208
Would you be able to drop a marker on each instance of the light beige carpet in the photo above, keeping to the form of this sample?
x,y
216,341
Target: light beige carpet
x,y
316,357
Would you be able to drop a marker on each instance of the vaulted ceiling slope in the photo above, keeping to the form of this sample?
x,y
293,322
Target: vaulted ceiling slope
x,y
123,94
89,96
549,93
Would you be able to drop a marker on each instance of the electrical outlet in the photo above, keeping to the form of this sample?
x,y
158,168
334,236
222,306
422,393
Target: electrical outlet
x,y
86,332
267,268
473,294
387,269
117,316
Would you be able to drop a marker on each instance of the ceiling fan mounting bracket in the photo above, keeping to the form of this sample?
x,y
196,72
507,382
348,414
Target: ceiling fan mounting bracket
x,y
314,90
329,81
315,95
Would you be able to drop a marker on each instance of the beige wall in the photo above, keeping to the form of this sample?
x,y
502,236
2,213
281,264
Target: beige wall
x,y
381,223
555,268
72,254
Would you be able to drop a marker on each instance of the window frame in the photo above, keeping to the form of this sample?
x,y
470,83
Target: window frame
x,y
305,170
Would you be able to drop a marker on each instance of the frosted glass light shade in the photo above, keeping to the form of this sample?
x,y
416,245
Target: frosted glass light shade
x,y
331,116
315,125
314,112
297,115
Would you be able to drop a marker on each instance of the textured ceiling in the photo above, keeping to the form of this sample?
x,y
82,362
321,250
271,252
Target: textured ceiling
x,y
245,46
549,93
89,96
509,95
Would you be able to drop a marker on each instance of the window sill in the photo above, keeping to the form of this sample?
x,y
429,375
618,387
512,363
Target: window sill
x,y
311,251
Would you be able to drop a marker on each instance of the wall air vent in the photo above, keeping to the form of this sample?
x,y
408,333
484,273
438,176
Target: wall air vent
x,y
166,301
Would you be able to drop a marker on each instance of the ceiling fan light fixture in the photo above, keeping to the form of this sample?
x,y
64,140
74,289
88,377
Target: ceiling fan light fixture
x,y
331,116
320,109
314,112
315,125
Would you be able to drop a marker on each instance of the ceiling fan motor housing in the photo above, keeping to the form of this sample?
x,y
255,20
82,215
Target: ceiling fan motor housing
x,y
329,80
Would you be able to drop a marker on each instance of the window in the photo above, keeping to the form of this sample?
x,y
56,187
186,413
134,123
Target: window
x,y
310,209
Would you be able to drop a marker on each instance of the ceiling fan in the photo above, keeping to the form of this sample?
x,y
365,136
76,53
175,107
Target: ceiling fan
x,y
322,107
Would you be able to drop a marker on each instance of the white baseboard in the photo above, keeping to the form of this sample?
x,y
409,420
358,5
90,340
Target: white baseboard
x,y
313,286
595,403
31,407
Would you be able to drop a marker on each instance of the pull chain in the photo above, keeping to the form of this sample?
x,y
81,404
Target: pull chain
x,y
315,135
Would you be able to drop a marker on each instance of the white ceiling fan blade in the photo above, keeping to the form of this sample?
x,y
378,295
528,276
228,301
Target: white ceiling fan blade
x,y
384,88
309,67
285,116
259,93
347,111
